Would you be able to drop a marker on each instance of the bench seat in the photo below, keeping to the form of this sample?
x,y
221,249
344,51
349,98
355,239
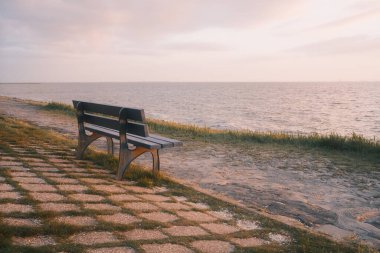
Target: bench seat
x,y
151,142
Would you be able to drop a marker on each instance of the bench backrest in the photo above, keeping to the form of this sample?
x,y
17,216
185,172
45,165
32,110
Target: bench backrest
x,y
109,116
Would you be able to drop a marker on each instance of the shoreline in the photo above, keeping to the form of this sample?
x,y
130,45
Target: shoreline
x,y
306,185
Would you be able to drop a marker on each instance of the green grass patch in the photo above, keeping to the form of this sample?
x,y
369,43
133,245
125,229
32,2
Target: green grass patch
x,y
353,143
61,107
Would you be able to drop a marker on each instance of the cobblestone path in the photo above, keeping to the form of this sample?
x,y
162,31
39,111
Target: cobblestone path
x,y
60,204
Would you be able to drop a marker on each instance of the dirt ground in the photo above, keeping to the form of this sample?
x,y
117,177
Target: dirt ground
x,y
330,193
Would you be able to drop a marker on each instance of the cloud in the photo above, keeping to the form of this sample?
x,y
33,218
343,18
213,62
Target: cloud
x,y
357,18
195,46
95,24
342,45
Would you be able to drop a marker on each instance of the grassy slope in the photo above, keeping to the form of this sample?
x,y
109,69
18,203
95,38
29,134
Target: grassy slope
x,y
17,133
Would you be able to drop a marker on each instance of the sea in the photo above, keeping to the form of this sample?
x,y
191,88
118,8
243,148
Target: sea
x,y
299,108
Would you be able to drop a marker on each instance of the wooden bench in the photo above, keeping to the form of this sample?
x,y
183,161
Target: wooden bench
x,y
124,124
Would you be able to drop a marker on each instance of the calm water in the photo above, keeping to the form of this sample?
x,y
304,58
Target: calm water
x,y
291,107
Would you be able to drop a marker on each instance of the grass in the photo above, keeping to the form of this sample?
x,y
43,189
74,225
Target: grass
x,y
351,144
135,173
22,134
333,141
61,107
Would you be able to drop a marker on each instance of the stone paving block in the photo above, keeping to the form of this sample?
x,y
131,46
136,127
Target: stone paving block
x,y
58,160
123,197
79,174
35,241
86,197
159,216
68,165
58,207
47,196
53,174
92,238
9,163
33,159
18,222
45,169
129,182
39,164
185,231
17,168
213,246
222,215
42,152
13,208
80,170
143,234
38,187
64,180
248,242
172,206
6,187
111,250
141,206
80,221
220,228
2,179
94,180
100,171
72,187
29,180
160,189
279,238
22,174
119,218
102,207
108,188
8,158
154,197
10,195
200,206
138,189
247,225
165,248
196,216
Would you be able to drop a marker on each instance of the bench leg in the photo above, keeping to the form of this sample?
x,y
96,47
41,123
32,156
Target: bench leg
x,y
156,161
126,156
83,142
110,147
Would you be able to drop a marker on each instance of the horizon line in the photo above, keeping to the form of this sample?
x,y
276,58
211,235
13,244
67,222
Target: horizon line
x,y
57,82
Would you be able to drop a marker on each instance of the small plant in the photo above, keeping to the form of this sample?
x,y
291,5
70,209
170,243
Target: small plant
x,y
55,106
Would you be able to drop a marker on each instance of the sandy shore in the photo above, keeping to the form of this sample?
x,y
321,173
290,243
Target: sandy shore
x,y
317,189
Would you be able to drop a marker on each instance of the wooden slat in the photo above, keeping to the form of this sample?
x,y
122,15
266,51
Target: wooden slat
x,y
137,129
130,139
132,113
143,143
101,121
132,127
159,137
103,131
164,144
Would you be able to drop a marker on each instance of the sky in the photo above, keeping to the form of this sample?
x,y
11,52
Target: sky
x,y
189,40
